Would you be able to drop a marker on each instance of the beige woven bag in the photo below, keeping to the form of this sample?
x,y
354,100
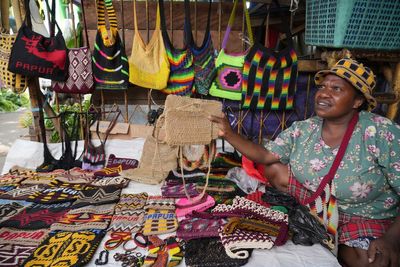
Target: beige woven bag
x,y
157,160
16,82
187,123
186,120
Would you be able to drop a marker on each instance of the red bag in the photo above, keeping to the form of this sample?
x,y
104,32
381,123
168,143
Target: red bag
x,y
36,55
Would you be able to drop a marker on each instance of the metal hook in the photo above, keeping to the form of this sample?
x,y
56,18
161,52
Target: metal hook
x,y
103,258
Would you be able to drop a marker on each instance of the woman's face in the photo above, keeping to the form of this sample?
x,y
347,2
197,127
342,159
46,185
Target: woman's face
x,y
336,98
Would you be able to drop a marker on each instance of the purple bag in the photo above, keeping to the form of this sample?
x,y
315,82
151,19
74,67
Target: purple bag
x,y
197,227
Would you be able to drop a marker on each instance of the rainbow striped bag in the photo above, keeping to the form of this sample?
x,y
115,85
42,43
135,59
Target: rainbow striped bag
x,y
269,77
181,75
110,64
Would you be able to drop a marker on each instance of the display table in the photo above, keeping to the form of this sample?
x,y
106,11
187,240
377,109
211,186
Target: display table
x,y
30,155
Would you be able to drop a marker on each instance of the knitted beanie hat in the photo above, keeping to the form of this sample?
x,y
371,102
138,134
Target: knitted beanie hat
x,y
98,196
129,202
85,218
115,166
127,221
67,249
159,222
76,176
237,243
106,181
9,210
160,203
7,179
177,191
37,216
22,237
12,255
23,192
54,195
7,188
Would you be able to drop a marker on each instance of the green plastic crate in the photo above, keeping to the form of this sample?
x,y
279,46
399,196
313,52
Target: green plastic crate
x,y
363,24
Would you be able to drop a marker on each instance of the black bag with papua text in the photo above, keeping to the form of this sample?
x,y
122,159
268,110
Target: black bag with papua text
x,y
36,55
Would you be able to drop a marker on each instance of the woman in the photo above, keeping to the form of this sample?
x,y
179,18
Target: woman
x,y
367,182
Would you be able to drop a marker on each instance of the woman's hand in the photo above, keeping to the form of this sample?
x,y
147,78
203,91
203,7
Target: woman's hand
x,y
225,129
384,252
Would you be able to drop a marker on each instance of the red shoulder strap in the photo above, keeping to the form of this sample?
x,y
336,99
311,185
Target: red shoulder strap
x,y
339,156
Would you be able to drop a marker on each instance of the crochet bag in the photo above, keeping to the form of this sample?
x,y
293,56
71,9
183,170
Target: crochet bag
x,y
181,76
35,55
269,77
322,203
203,56
209,252
94,157
110,64
80,75
228,81
187,123
148,64
186,120
16,82
158,158
68,159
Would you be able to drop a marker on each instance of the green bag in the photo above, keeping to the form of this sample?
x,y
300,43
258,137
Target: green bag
x,y
228,81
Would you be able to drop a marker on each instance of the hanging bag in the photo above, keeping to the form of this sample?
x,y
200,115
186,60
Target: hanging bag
x,y
110,64
94,157
35,55
16,82
80,75
322,203
204,57
148,64
270,77
228,81
181,76
68,159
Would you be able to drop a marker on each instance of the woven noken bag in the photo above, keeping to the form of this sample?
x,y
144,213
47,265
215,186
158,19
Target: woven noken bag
x,y
186,120
186,123
16,82
158,158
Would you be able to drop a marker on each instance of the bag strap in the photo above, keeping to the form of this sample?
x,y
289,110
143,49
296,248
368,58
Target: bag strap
x,y
5,13
103,7
53,21
157,17
232,20
189,32
339,156
84,23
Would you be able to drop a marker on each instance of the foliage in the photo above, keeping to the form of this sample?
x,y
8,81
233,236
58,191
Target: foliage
x,y
26,120
10,101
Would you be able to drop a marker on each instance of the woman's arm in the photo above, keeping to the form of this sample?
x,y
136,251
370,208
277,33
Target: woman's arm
x,y
385,251
250,150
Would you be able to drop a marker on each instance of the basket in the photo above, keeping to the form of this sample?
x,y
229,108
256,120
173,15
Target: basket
x,y
363,24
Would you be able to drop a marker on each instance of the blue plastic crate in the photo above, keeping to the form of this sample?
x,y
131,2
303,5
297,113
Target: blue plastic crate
x,y
363,24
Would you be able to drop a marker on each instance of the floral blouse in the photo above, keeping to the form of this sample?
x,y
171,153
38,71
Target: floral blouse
x,y
367,182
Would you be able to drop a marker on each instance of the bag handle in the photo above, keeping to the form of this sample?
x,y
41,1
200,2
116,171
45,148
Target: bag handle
x,y
189,33
106,6
339,156
232,20
84,23
157,17
5,14
53,21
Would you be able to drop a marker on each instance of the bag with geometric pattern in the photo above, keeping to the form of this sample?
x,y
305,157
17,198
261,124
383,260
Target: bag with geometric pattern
x,y
80,75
